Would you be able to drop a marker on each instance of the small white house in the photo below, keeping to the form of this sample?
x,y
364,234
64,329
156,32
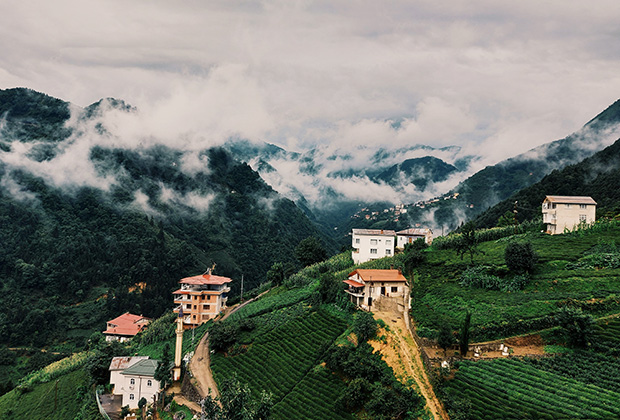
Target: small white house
x,y
565,212
371,244
409,236
133,378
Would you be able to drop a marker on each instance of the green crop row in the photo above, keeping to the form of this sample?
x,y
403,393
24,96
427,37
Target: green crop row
x,y
506,388
280,360
307,399
272,302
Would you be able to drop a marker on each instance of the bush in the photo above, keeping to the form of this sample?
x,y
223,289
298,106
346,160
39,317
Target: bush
x,y
364,326
578,327
520,257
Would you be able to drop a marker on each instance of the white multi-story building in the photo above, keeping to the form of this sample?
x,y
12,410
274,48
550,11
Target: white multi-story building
x,y
409,236
370,244
133,378
565,212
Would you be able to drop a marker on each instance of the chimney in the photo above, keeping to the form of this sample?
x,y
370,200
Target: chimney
x,y
399,271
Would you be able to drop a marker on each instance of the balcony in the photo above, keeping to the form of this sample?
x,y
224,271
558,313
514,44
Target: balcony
x,y
355,291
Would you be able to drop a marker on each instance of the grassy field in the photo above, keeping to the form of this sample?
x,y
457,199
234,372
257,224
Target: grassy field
x,y
439,298
59,399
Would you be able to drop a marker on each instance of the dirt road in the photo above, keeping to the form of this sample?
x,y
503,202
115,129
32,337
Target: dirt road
x,y
402,354
200,365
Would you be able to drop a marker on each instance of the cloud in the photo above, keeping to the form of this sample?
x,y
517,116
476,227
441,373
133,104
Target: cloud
x,y
494,78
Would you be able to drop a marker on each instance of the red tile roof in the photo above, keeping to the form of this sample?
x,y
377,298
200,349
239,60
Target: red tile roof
x,y
126,324
379,275
205,279
353,283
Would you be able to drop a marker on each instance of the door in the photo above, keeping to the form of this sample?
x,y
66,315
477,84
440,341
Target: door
x,y
369,302
382,291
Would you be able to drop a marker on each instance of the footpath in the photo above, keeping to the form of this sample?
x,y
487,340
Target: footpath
x,y
402,354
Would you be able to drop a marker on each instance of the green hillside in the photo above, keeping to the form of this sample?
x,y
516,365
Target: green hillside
x,y
560,278
597,176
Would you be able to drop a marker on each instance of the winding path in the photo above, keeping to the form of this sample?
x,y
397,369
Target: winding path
x,y
200,365
403,355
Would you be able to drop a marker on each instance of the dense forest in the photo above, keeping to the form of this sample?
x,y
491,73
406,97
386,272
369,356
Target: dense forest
x,y
73,256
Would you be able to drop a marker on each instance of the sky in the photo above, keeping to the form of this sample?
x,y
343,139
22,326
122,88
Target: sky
x,y
495,78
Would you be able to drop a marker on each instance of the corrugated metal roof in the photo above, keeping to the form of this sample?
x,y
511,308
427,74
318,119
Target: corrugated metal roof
x,y
415,231
120,363
145,367
569,199
379,232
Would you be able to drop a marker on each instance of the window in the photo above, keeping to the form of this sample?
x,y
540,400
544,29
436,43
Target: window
x,y
149,383
582,217
388,242
388,252
131,397
567,206
583,206
394,289
207,307
373,242
188,306
357,240
132,381
373,250
209,297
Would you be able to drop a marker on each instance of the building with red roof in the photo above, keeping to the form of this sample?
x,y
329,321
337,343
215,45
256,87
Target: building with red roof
x,y
124,327
368,288
201,298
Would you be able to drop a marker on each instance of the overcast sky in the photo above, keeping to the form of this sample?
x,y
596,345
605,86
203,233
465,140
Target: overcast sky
x,y
494,77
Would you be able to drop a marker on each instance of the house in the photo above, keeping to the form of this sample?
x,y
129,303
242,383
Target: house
x,y
370,244
201,298
133,378
565,212
368,288
409,236
124,327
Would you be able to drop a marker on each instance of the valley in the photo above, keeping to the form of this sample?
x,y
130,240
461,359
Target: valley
x,y
79,250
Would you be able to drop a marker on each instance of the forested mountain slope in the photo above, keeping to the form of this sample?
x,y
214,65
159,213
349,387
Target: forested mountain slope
x,y
93,226
597,176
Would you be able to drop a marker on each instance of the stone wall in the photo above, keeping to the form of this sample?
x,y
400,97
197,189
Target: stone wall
x,y
189,390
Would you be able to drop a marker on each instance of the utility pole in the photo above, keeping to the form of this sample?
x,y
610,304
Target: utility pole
x,y
56,395
241,298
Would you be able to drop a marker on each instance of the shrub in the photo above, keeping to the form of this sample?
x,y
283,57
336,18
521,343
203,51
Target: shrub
x,y
520,257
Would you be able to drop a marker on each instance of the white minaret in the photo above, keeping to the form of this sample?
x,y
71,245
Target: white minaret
x,y
178,351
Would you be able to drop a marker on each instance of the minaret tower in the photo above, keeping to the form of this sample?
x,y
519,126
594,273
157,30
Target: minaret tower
x,y
178,351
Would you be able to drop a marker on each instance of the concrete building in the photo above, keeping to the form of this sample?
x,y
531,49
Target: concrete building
x,y
133,378
371,244
562,213
202,297
373,288
409,236
124,327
